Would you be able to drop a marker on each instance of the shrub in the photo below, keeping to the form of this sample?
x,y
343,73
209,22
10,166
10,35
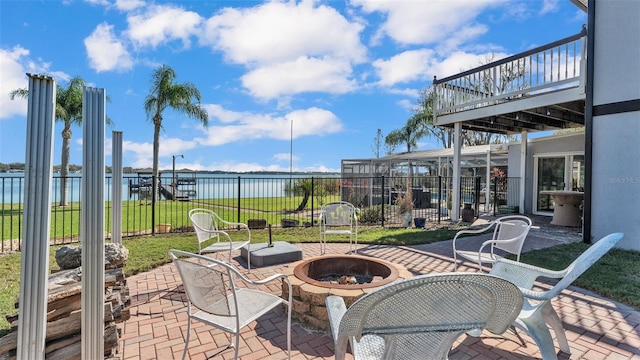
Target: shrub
x,y
371,215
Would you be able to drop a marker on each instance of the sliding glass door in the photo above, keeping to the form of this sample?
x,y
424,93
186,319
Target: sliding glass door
x,y
556,172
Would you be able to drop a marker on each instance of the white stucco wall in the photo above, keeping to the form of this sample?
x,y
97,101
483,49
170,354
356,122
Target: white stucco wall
x,y
616,137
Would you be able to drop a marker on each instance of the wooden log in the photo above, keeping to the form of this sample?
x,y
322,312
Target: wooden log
x,y
56,345
64,307
72,346
64,303
8,342
72,351
58,329
65,326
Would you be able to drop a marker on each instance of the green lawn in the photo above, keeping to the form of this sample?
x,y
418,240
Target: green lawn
x,y
615,276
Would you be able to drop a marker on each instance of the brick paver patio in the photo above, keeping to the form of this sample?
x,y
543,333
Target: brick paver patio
x,y
597,328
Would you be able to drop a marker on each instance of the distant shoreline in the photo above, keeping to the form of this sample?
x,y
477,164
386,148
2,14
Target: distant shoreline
x,y
18,168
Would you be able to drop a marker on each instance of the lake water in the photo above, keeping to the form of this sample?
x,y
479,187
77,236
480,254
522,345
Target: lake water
x,y
206,185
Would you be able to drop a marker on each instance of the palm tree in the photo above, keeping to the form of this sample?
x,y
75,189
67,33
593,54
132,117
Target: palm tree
x,y
409,134
69,111
167,94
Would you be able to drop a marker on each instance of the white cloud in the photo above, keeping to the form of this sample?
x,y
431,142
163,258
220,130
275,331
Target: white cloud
x,y
277,31
407,104
285,157
13,70
301,75
549,6
105,51
158,24
404,67
461,61
98,2
288,47
128,5
243,126
14,64
430,22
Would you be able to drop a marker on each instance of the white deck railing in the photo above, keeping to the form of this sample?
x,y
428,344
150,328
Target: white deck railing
x,y
552,67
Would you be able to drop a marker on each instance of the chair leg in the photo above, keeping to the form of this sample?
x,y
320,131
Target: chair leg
x,y
551,317
455,262
289,330
237,345
186,342
538,330
340,348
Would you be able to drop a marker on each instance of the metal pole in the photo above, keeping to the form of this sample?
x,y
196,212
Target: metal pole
x,y
174,180
92,222
116,187
34,260
291,160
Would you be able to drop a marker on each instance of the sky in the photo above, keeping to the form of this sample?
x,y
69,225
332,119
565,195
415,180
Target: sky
x,y
288,85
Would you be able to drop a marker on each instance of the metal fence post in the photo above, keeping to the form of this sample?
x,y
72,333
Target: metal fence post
x,y
439,198
154,193
382,203
116,187
238,207
476,191
313,187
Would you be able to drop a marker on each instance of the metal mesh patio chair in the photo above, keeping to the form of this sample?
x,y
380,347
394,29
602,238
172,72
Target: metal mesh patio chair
x,y
509,233
207,225
537,311
421,317
215,299
338,218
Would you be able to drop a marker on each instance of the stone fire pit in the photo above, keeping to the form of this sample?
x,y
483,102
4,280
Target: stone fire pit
x,y
318,277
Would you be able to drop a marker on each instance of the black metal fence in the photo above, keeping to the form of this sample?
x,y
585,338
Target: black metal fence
x,y
260,201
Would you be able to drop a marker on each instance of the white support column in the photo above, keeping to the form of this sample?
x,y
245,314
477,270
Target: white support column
x,y
487,188
523,169
116,187
457,148
92,222
34,261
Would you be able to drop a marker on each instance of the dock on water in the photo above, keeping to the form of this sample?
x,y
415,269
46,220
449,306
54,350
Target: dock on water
x,y
171,193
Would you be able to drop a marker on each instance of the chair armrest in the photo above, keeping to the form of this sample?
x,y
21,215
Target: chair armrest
x,y
261,281
231,223
524,276
476,231
336,309
242,225
213,231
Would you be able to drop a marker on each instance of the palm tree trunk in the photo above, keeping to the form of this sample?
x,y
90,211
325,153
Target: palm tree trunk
x,y
304,201
64,164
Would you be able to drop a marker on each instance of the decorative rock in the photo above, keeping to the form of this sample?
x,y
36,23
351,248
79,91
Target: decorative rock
x,y
115,255
70,257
